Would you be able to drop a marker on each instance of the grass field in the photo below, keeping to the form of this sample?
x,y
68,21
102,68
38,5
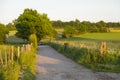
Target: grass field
x,y
101,36
96,36
113,35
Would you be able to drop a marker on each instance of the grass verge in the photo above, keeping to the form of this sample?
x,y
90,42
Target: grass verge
x,y
90,58
20,69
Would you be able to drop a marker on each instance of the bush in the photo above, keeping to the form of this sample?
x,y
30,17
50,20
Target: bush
x,y
68,32
33,39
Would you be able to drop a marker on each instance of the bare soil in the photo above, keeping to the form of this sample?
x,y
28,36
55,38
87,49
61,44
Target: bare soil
x,y
53,66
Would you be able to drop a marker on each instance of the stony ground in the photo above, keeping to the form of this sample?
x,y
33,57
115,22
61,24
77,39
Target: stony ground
x,y
53,66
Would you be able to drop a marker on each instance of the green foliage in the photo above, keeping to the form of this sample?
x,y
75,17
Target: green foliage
x,y
12,39
10,72
69,32
33,40
31,22
86,26
22,68
15,40
28,75
90,58
10,26
28,62
3,32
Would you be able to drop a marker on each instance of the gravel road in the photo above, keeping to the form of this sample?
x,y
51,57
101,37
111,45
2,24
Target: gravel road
x,y
53,66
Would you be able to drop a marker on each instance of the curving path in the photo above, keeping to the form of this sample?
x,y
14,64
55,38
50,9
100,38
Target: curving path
x,y
53,66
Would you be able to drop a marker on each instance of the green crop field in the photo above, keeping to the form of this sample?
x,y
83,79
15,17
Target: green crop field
x,y
102,36
97,36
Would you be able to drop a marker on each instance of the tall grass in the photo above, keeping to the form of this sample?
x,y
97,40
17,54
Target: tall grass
x,y
19,68
27,62
90,57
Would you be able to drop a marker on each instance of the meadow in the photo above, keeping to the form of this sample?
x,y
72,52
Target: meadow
x,y
113,36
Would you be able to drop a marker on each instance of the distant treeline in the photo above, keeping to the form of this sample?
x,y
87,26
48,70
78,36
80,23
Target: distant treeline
x,y
86,26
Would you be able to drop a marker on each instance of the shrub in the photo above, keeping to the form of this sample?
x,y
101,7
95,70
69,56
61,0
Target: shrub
x,y
68,32
33,39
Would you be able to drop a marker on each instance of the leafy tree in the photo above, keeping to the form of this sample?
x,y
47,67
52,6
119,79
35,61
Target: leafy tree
x,y
11,26
93,29
69,32
86,26
31,22
102,26
81,28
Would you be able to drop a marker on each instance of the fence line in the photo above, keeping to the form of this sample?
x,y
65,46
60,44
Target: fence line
x,y
7,54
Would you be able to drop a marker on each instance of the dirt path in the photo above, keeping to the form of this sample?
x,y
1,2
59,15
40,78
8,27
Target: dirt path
x,y
53,66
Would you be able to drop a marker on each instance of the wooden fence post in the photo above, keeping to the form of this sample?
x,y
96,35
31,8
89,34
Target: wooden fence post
x,y
9,56
103,48
18,49
5,55
26,47
1,58
21,49
12,53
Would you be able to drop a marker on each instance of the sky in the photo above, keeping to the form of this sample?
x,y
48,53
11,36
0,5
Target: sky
x,y
65,10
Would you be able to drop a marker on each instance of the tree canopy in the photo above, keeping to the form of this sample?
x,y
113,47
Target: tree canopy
x,y
32,22
10,26
68,32
86,26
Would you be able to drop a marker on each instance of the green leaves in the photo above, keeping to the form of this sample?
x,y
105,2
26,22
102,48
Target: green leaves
x,y
69,32
33,39
31,22
3,32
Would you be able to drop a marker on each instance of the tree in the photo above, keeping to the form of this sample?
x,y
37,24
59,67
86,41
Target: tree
x,y
3,32
102,26
10,26
69,32
31,22
93,28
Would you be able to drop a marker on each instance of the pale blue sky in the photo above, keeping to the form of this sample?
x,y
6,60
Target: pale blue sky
x,y
65,10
